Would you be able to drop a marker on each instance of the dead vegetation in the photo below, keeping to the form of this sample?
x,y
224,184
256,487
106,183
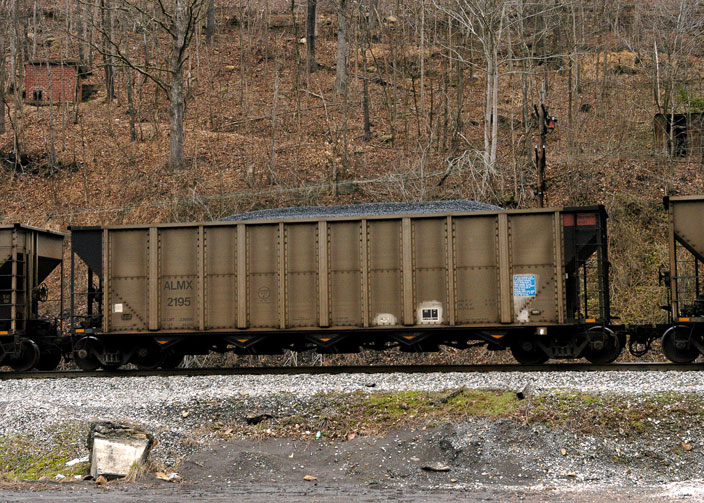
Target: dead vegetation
x,y
261,131
344,417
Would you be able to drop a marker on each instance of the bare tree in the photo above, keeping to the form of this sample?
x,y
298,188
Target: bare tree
x,y
310,34
176,21
3,64
108,35
17,33
341,59
485,20
210,21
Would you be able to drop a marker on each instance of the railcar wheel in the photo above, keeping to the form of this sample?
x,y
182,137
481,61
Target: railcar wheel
x,y
49,357
527,352
84,355
27,358
148,357
604,346
172,358
677,347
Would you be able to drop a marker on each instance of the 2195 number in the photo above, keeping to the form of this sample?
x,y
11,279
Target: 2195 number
x,y
178,301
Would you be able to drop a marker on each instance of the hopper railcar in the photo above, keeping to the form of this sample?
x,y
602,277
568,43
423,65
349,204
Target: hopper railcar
x,y
683,339
534,281
28,256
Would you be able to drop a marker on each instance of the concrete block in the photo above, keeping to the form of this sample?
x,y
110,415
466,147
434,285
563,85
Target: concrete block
x,y
116,447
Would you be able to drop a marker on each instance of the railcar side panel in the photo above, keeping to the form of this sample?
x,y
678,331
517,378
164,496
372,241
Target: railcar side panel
x,y
263,276
533,268
430,270
178,279
128,273
345,273
385,272
302,301
476,269
221,295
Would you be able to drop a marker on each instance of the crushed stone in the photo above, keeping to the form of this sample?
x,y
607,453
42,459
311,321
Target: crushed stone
x,y
364,210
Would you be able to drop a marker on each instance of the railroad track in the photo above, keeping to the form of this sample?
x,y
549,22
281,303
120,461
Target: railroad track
x,y
366,369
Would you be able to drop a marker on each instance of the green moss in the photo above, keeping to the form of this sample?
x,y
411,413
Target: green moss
x,y
23,458
611,414
415,403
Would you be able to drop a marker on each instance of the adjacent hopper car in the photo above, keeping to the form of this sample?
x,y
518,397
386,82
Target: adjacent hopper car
x,y
683,339
532,281
27,257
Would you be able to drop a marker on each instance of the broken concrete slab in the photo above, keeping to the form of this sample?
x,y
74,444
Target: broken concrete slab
x,y
116,447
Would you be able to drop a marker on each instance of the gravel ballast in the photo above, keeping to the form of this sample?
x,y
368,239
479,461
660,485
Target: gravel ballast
x,y
29,406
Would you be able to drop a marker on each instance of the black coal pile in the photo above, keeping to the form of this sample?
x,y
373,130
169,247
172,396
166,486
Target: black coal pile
x,y
365,210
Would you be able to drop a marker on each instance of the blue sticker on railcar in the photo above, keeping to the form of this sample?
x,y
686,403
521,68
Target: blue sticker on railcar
x,y
524,285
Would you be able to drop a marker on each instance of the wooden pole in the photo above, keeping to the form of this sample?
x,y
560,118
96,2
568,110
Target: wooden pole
x,y
541,112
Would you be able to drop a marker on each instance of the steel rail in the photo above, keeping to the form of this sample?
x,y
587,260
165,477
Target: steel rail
x,y
361,369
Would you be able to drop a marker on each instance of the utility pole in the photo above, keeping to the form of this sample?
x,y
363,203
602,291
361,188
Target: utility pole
x,y
542,115
540,154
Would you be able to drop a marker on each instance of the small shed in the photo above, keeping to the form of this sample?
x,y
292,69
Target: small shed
x,y
680,135
52,81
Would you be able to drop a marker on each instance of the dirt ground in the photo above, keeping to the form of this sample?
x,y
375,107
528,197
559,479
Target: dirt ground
x,y
483,464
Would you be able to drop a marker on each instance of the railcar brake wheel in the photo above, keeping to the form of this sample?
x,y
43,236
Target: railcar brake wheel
x,y
605,346
677,347
84,355
528,352
49,357
27,357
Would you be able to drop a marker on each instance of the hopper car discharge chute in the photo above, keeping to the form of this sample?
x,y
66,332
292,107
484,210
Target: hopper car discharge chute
x,y
532,281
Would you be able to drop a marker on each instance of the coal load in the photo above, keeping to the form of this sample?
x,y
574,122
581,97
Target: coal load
x,y
364,210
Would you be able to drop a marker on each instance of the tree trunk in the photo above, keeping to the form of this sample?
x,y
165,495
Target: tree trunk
x,y
310,35
130,103
109,70
81,31
210,21
487,112
365,84
341,59
373,16
3,78
494,111
52,148
17,80
176,90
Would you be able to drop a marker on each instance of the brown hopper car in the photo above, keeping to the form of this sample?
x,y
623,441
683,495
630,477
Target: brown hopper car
x,y
27,257
683,340
534,281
